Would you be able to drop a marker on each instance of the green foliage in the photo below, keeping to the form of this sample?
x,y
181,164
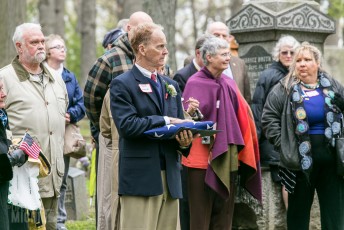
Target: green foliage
x,y
84,125
32,10
73,43
100,49
336,9
107,10
89,224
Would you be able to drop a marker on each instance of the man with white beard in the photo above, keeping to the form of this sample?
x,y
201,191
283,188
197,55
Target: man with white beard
x,y
36,102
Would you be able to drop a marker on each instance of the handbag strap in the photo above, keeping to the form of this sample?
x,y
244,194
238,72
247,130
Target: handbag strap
x,y
341,126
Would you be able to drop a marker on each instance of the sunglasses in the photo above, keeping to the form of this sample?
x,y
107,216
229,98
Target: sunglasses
x,y
285,53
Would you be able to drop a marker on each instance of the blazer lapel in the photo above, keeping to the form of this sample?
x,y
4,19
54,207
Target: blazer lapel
x,y
141,79
234,68
166,97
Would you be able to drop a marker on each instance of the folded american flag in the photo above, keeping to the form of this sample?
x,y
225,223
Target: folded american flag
x,y
170,131
29,146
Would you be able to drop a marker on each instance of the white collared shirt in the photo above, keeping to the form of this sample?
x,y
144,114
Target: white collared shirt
x,y
196,65
228,72
148,74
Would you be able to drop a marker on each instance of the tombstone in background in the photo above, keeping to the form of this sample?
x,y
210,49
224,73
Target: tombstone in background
x,y
257,27
76,200
262,22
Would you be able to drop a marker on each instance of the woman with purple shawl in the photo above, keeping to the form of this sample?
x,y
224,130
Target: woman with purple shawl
x,y
212,167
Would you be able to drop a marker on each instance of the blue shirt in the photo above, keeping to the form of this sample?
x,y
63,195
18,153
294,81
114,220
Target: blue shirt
x,y
314,104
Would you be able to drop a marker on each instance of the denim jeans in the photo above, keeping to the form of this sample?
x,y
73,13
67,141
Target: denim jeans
x,y
62,214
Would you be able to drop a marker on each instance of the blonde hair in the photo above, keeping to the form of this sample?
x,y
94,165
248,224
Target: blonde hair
x,y
49,39
292,78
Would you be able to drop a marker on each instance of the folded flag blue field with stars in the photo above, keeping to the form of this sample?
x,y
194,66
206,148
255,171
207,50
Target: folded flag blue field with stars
x,y
29,146
204,128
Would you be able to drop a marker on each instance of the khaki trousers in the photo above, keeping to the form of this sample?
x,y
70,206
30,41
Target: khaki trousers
x,y
107,185
50,209
149,213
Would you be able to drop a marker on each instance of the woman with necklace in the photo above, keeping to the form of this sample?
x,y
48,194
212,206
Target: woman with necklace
x,y
301,117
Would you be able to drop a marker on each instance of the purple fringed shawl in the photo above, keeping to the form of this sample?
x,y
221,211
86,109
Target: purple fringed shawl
x,y
212,93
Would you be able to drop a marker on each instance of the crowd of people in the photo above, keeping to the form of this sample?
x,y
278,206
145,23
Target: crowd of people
x,y
289,125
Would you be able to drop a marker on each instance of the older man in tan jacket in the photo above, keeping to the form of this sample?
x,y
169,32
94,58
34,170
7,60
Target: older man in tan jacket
x,y
36,102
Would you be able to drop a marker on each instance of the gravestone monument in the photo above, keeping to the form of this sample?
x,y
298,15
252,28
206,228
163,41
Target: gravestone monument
x,y
257,27
262,22
76,200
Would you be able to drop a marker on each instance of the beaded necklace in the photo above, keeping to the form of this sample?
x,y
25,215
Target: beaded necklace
x,y
307,86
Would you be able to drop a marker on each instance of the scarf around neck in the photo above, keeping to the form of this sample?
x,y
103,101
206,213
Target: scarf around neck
x,y
301,126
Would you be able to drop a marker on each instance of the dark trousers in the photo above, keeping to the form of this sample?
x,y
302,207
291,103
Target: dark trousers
x,y
18,218
329,187
208,211
184,212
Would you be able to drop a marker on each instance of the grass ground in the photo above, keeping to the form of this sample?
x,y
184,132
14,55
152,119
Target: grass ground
x,y
89,222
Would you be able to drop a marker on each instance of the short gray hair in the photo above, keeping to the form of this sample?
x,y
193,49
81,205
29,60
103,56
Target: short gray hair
x,y
18,33
211,46
285,40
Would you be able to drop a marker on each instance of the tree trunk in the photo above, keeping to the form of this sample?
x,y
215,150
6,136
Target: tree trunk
x,y
194,20
59,16
163,13
47,16
126,7
88,38
12,14
51,16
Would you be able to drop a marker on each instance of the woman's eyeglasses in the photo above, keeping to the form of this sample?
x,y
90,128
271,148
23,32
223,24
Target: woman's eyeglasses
x,y
227,54
59,47
285,53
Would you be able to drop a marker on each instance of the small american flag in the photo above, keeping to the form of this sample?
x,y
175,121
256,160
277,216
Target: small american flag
x,y
29,146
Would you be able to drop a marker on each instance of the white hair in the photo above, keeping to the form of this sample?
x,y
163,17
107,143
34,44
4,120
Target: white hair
x,y
211,46
285,40
18,33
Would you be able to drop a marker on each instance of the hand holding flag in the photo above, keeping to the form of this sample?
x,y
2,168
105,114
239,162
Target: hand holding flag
x,y
29,146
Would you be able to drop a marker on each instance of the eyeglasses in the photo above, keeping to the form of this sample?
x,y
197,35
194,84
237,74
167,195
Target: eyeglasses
x,y
228,54
285,53
59,47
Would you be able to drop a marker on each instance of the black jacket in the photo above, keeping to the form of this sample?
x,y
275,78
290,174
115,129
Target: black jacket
x,y
277,122
184,74
267,80
6,175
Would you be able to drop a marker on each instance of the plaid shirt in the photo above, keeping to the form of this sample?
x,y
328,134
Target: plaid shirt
x,y
111,64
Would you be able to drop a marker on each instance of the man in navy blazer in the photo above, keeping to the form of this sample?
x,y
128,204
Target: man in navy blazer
x,y
149,170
